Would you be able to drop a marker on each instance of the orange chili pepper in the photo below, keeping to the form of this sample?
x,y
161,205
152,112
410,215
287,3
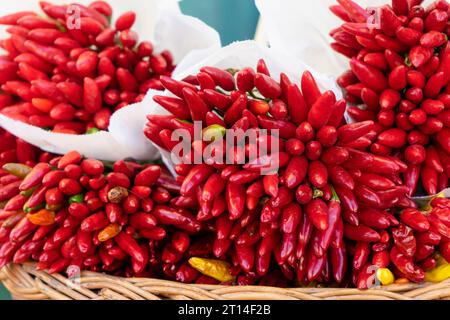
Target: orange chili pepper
x,y
109,232
43,217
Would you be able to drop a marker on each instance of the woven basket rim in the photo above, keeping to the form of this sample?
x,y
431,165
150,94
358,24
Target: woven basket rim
x,y
26,283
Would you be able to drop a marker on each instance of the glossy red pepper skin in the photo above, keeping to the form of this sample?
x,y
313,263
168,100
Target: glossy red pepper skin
x,y
268,87
374,218
361,233
129,245
406,266
318,115
334,212
296,171
297,107
404,240
235,196
34,177
415,219
317,212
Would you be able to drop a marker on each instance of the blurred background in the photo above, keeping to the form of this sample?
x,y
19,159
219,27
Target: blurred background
x,y
233,19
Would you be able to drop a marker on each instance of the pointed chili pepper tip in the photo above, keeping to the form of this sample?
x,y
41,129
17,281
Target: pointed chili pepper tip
x,y
217,269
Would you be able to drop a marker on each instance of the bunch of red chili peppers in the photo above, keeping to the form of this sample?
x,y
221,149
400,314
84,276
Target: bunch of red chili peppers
x,y
75,211
325,193
69,71
400,74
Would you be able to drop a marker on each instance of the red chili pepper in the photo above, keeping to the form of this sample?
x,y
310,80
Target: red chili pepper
x,y
319,114
361,256
439,226
348,199
245,79
298,109
196,105
317,212
374,218
176,87
250,235
245,256
130,246
429,238
338,258
223,78
35,176
367,196
22,230
361,233
268,87
180,218
404,240
16,203
354,11
95,222
196,176
318,174
340,177
406,266
415,219
291,218
296,171
443,138
234,113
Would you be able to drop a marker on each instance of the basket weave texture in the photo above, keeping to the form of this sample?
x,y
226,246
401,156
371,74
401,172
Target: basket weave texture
x,y
26,283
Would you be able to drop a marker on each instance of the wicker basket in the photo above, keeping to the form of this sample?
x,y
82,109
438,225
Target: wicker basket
x,y
26,283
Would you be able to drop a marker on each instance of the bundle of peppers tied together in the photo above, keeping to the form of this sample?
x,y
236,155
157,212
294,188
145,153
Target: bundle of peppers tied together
x,y
69,71
334,208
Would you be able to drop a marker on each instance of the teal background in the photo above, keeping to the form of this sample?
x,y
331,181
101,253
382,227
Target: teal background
x,y
233,19
4,294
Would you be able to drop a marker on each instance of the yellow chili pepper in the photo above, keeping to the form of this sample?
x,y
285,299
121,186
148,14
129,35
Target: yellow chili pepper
x,y
42,218
385,276
109,232
213,132
438,274
17,169
217,269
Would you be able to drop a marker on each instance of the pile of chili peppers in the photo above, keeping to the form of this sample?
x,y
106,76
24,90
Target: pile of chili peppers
x,y
70,70
400,79
120,219
406,246
327,201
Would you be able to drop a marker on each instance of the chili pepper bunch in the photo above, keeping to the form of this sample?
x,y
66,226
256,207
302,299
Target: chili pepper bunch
x,y
400,73
298,215
70,70
121,220
407,247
